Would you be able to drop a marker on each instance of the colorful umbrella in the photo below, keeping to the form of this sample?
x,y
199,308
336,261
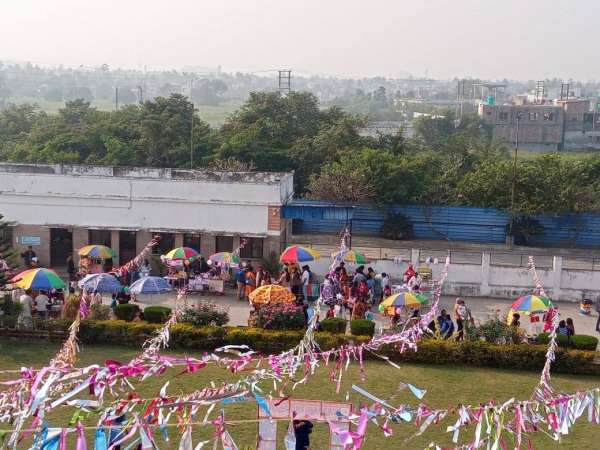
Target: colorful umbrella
x,y
150,285
97,251
271,294
105,283
38,279
296,254
531,304
350,256
222,258
403,299
181,254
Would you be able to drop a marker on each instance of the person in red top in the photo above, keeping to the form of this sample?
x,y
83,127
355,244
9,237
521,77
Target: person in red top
x,y
410,272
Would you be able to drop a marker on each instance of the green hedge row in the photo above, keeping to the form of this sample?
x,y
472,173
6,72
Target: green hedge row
x,y
577,341
120,332
484,354
430,351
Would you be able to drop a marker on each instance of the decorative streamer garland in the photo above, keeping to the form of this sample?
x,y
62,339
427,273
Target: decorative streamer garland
x,y
560,411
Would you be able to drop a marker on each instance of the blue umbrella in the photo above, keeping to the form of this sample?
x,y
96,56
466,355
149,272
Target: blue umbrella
x,y
104,283
150,285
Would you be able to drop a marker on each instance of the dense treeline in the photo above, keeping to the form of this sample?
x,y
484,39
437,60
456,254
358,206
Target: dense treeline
x,y
448,161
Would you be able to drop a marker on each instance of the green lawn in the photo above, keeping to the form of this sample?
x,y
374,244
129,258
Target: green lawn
x,y
445,385
214,115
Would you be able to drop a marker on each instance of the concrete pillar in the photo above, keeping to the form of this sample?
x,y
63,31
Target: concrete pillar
x,y
178,240
114,244
415,256
556,277
271,245
80,239
141,239
236,241
484,289
208,243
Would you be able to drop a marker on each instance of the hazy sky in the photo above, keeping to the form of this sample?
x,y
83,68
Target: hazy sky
x,y
526,39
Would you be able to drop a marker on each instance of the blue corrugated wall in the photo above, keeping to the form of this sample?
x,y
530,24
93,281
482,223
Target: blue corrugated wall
x,y
460,223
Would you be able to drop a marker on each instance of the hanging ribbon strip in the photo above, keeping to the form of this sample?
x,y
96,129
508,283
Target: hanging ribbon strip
x,y
546,411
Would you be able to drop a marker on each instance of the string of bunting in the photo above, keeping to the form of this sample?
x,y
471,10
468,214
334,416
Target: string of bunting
x,y
547,410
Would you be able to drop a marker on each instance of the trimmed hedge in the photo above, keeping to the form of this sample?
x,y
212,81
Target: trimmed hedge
x,y
485,354
577,341
156,314
127,311
430,351
119,332
362,327
334,325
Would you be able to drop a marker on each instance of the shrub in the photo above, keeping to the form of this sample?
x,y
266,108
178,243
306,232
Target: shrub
x,y
127,311
99,312
156,314
205,314
496,331
362,327
287,316
72,307
334,325
577,341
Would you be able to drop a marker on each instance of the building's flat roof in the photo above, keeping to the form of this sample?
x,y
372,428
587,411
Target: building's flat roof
x,y
202,175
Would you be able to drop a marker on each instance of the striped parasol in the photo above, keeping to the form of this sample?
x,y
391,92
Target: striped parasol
x,y
181,254
531,304
350,256
97,251
296,253
38,279
403,299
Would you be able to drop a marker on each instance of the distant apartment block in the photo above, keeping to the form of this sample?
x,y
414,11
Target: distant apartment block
x,y
540,126
566,123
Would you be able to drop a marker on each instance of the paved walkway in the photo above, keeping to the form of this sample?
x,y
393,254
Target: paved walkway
x,y
482,308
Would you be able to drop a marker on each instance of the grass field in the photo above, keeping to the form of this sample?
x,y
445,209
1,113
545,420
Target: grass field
x,y
214,115
445,386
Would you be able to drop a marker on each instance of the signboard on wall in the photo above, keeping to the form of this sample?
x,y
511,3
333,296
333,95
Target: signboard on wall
x,y
301,409
31,240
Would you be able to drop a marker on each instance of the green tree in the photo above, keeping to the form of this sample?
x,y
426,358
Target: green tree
x,y
8,256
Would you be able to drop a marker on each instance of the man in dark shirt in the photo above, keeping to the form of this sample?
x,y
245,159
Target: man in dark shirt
x,y
302,428
28,256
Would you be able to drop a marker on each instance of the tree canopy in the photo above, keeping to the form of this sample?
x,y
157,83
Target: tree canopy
x,y
448,162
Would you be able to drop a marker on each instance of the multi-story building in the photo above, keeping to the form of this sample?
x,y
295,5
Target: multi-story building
x,y
58,209
540,126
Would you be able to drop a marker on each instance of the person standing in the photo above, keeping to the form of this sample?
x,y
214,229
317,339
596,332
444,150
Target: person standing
x,y
302,430
307,283
26,302
571,326
461,315
250,281
41,305
240,279
410,272
296,282
28,256
71,268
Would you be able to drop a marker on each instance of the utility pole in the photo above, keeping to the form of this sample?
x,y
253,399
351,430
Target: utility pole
x,y
140,95
285,81
116,98
192,125
514,179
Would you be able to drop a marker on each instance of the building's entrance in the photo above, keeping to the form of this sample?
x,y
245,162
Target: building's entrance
x,y
61,246
127,246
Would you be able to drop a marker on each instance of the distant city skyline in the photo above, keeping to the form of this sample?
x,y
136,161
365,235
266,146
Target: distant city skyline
x,y
345,38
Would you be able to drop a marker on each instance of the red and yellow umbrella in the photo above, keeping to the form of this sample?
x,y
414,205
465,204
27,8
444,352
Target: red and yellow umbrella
x,y
296,253
181,254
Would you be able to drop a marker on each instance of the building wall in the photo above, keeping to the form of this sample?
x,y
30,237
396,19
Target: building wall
x,y
79,198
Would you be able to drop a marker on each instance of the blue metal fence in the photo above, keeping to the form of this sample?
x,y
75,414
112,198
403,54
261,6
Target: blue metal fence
x,y
460,223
